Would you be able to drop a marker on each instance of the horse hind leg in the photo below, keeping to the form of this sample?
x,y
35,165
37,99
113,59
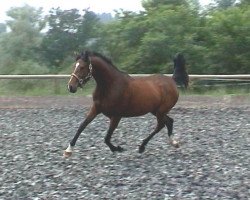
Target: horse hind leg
x,y
159,126
169,124
114,121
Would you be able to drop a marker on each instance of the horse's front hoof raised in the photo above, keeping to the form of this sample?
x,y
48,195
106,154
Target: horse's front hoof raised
x,y
67,154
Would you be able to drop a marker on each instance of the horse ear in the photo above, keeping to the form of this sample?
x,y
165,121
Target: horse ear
x,y
85,56
76,54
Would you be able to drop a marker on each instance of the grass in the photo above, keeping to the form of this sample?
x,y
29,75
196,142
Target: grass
x,y
219,90
41,88
59,88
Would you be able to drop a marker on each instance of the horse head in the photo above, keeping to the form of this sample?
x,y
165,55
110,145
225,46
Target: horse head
x,y
82,72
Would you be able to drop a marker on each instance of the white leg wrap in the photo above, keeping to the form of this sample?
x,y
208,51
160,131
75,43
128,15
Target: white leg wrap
x,y
69,149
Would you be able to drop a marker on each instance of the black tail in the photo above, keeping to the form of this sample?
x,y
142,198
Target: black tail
x,y
180,74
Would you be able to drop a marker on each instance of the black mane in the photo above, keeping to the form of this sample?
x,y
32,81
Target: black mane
x,y
108,60
92,53
85,54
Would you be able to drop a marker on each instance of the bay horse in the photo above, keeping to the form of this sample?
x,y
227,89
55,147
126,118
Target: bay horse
x,y
180,74
119,95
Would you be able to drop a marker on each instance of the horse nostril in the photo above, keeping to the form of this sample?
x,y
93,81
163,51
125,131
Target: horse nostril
x,y
71,89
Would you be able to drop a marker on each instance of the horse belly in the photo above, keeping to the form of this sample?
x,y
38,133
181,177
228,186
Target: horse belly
x,y
126,111
143,104
133,108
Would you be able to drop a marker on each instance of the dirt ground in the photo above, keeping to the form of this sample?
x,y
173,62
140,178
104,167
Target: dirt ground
x,y
211,163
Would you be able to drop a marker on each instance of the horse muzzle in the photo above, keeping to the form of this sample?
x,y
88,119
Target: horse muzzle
x,y
72,89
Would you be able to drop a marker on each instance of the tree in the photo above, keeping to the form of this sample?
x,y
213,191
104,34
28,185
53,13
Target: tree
x,y
21,44
68,32
244,2
146,42
88,29
224,4
60,39
154,4
229,41
3,28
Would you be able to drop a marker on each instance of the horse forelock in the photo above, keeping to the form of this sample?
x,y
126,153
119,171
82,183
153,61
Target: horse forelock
x,y
84,56
78,57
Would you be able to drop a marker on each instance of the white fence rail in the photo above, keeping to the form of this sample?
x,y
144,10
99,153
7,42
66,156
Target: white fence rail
x,y
191,77
47,76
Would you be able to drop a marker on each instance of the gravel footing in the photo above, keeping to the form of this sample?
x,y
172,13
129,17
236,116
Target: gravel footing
x,y
212,162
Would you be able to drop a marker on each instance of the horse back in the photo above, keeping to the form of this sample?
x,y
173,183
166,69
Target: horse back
x,y
156,93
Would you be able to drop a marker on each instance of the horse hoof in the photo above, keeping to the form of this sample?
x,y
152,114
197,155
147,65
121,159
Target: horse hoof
x,y
67,154
176,144
119,149
141,149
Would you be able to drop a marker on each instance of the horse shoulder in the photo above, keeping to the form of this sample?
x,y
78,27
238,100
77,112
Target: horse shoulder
x,y
111,101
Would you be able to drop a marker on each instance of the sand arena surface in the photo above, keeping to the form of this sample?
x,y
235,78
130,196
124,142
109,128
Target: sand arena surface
x,y
212,162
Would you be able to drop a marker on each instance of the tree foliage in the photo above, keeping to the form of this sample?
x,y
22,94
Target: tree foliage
x,y
20,45
229,40
214,40
68,31
3,28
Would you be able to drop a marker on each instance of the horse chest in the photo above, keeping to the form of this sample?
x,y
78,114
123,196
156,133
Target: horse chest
x,y
104,105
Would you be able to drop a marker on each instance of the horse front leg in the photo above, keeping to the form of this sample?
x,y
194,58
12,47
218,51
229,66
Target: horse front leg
x,y
114,121
91,115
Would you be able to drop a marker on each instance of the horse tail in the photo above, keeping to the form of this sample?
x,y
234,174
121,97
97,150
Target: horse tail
x,y
180,74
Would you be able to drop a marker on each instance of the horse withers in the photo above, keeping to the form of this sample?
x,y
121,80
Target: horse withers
x,y
119,95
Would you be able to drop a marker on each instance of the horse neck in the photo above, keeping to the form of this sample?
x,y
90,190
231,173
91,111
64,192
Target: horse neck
x,y
105,74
